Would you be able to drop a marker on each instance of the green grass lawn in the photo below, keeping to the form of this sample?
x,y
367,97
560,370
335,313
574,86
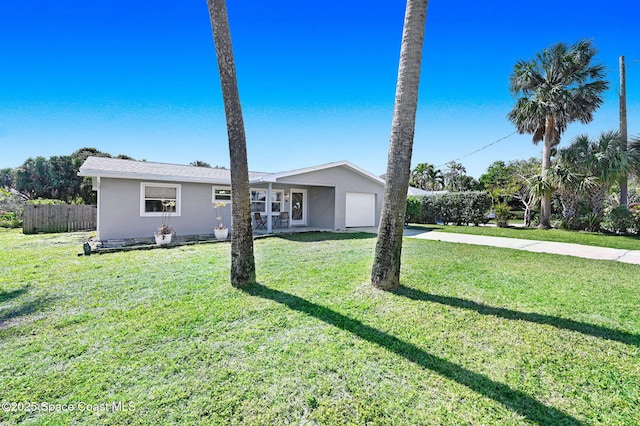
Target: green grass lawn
x,y
477,335
624,242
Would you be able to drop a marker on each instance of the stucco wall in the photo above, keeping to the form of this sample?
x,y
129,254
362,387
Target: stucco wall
x,y
119,206
321,207
345,180
119,203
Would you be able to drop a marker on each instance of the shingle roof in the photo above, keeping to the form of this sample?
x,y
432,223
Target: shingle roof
x,y
131,169
273,177
118,168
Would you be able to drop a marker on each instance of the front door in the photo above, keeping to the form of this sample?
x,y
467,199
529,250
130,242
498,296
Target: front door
x,y
298,207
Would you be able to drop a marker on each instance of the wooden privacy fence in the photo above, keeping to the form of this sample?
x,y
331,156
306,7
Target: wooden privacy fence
x,y
58,218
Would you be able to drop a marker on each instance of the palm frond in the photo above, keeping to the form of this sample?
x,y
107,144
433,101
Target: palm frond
x,y
562,83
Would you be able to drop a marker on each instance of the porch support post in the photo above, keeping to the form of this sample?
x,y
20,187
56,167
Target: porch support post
x,y
269,209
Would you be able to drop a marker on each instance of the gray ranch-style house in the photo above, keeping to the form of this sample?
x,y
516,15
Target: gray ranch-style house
x,y
332,196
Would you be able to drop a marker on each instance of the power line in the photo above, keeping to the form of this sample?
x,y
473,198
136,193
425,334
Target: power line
x,y
479,149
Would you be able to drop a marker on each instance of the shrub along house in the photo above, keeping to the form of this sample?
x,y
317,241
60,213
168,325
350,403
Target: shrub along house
x,y
330,196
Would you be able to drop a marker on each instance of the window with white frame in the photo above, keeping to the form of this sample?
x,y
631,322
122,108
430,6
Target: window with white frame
x,y
259,201
156,198
221,194
277,197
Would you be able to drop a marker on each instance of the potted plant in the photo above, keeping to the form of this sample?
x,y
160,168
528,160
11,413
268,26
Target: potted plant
x,y
165,233
220,231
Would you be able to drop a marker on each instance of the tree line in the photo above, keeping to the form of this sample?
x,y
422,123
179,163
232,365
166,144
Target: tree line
x,y
57,177
582,179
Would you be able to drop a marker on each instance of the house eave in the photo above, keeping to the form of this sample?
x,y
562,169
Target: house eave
x,y
276,177
151,176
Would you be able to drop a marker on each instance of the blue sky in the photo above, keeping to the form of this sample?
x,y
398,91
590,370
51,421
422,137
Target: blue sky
x,y
316,79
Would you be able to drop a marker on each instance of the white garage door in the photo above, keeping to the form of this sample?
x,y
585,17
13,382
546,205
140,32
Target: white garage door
x,y
360,209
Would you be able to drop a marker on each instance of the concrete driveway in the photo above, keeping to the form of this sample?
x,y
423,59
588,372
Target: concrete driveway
x,y
577,250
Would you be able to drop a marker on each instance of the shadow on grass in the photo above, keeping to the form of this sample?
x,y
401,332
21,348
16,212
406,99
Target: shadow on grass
x,y
423,228
13,314
316,236
12,294
513,399
563,323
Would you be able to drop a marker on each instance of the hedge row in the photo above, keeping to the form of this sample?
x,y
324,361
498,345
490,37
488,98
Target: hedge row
x,y
460,208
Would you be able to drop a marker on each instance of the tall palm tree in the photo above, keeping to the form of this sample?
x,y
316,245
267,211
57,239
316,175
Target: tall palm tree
x,y
243,270
624,180
385,273
558,87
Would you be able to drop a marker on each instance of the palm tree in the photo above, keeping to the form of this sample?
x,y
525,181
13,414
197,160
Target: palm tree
x,y
435,179
556,88
633,149
418,177
426,176
589,168
243,270
607,161
385,273
570,179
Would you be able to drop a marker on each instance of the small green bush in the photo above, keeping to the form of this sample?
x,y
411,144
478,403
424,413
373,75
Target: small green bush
x,y
503,213
635,213
619,220
591,221
11,208
10,220
574,223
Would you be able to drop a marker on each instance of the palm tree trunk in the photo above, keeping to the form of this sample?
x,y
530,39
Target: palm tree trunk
x,y
597,196
243,269
569,201
385,273
545,202
624,185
